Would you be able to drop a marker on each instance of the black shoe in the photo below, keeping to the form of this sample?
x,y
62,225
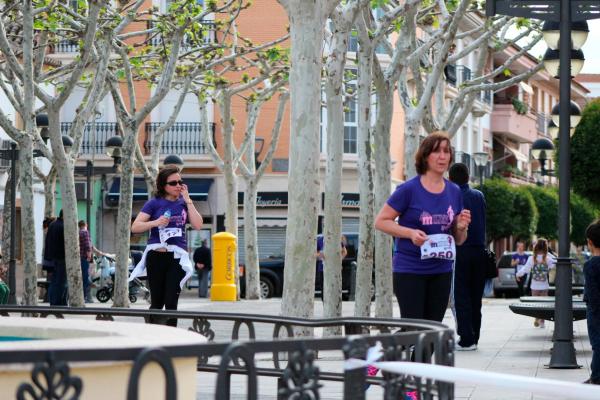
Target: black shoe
x,y
593,381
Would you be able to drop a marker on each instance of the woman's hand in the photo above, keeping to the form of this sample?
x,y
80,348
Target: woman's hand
x,y
463,220
185,193
161,221
418,237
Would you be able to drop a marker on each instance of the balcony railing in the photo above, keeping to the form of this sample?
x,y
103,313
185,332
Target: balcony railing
x,y
209,35
469,161
66,46
180,138
94,135
486,95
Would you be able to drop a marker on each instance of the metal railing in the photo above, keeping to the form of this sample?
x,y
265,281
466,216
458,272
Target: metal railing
x,y
95,135
66,46
209,35
180,138
295,361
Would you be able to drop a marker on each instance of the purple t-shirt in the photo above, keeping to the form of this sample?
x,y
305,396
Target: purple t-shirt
x,y
432,213
522,260
157,207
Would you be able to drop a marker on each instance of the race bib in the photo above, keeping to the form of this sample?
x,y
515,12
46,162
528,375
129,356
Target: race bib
x,y
168,233
439,246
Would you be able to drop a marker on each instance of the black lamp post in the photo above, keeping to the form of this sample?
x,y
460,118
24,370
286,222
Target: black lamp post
x,y
481,159
563,18
113,149
543,150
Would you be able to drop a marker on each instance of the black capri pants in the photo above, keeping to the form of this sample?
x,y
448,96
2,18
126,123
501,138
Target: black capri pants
x,y
422,296
164,275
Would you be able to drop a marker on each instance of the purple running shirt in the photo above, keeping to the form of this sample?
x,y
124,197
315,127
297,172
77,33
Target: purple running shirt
x,y
157,207
433,213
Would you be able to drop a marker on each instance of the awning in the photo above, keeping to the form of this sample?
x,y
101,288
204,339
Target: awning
x,y
198,188
526,88
518,155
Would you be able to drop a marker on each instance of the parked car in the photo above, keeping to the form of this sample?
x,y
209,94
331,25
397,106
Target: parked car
x,y
506,284
271,271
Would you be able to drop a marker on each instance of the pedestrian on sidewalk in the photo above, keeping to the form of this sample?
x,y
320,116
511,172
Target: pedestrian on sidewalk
x,y
54,251
203,264
430,220
517,261
85,253
469,269
166,258
319,279
591,271
539,264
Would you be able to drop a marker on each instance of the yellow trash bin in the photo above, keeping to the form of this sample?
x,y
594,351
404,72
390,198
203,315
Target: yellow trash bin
x,y
223,287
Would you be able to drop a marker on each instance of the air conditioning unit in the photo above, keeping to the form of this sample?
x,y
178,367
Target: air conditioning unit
x,y
81,190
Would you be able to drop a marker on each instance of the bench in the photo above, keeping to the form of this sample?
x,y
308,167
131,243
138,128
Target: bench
x,y
545,310
545,299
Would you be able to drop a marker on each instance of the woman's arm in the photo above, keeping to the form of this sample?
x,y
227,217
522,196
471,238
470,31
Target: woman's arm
x,y
461,226
142,223
385,222
193,215
525,268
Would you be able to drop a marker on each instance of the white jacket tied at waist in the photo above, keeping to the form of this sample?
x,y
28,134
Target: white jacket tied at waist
x,y
178,253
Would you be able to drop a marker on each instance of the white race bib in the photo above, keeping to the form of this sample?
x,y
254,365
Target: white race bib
x,y
168,233
439,246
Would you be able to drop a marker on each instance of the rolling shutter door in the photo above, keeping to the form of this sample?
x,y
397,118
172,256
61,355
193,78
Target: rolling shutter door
x,y
271,241
350,225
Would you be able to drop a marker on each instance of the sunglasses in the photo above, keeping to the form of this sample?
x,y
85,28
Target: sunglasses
x,y
175,183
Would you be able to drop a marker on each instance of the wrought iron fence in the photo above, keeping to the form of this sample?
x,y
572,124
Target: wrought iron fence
x,y
180,138
295,361
95,135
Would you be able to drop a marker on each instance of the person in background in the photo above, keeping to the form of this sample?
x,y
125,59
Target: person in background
x,y
47,265
166,257
539,264
591,271
85,253
54,251
425,215
320,257
469,271
518,261
203,264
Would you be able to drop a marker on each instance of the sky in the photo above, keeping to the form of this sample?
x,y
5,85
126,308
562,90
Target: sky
x,y
590,49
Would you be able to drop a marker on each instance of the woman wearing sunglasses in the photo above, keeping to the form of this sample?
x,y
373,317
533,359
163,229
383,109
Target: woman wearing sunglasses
x,y
166,258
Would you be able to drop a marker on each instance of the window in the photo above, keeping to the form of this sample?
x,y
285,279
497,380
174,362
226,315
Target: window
x,y
350,122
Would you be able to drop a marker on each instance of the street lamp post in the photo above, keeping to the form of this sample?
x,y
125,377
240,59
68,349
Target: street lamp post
x,y
566,12
481,159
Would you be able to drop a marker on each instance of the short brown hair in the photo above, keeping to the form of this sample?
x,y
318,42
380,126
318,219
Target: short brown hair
x,y
161,178
430,144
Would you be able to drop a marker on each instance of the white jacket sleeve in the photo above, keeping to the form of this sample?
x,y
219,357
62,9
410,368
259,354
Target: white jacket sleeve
x,y
525,268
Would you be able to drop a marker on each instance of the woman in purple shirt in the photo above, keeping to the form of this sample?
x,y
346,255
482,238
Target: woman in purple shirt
x,y
166,257
425,215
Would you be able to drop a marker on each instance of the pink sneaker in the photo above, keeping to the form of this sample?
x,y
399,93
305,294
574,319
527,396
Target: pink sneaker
x,y
372,371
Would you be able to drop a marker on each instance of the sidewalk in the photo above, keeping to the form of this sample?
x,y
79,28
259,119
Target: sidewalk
x,y
509,344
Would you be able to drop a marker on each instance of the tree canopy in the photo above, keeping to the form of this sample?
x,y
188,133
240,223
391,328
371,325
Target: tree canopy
x,y
585,153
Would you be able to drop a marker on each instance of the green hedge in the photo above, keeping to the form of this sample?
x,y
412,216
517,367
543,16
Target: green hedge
x,y
528,210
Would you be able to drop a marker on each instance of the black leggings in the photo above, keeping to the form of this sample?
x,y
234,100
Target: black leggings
x,y
422,296
164,275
